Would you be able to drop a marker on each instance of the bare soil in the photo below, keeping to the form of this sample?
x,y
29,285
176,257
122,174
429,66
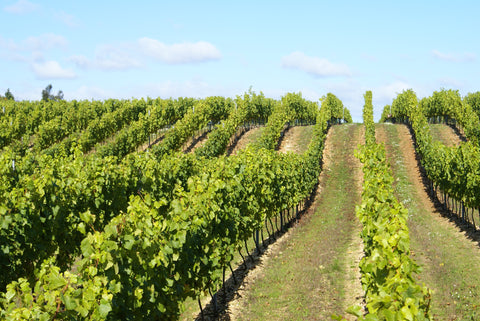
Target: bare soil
x,y
247,138
195,142
291,142
445,134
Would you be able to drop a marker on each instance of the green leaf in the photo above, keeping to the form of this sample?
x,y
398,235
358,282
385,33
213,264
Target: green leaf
x,y
10,293
129,242
355,310
70,303
87,217
104,309
86,247
56,281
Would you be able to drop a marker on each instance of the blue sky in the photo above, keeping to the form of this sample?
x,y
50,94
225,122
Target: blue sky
x,y
117,49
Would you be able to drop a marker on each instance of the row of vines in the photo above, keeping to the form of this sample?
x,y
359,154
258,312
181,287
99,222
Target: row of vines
x,y
388,272
150,230
451,171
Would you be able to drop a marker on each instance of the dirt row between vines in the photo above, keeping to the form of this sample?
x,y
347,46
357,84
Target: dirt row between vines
x,y
311,272
444,134
449,258
296,139
247,138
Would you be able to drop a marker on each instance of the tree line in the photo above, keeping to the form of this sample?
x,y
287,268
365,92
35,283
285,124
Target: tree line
x,y
47,94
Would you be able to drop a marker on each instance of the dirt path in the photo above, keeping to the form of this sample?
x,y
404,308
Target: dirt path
x,y
296,139
195,142
450,261
249,137
444,134
310,273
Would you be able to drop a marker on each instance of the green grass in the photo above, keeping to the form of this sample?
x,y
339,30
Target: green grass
x,y
306,133
305,280
450,263
444,134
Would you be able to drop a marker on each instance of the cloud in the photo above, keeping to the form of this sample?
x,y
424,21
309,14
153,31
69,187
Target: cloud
x,y
454,57
34,43
386,93
180,53
191,88
108,58
351,93
44,42
52,70
21,7
8,44
32,49
91,92
81,61
129,55
316,66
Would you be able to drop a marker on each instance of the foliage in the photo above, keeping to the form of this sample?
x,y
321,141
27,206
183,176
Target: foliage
x,y
9,95
210,110
391,292
47,94
171,242
473,99
336,109
250,107
453,169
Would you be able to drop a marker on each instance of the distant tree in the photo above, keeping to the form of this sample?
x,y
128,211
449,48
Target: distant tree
x,y
47,95
9,95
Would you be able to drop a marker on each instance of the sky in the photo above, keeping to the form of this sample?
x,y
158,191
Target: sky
x,y
125,49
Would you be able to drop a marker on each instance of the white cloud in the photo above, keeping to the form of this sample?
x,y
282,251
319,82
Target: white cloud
x,y
108,58
81,61
114,58
21,7
180,53
191,88
316,66
34,43
129,55
8,44
351,92
91,92
386,93
45,41
52,70
196,88
454,57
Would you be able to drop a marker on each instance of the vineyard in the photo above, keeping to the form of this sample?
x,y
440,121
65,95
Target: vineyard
x,y
163,209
